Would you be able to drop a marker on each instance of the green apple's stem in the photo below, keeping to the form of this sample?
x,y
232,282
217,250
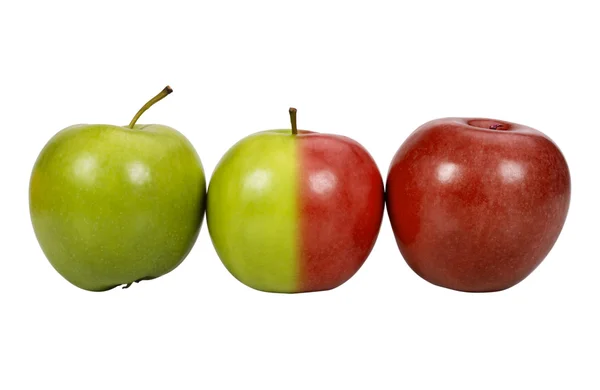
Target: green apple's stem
x,y
161,95
293,120
127,286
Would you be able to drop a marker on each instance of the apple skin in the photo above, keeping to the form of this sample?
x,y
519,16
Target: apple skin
x,y
295,213
476,207
112,205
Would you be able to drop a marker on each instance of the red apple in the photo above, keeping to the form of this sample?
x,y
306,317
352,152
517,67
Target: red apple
x,y
477,204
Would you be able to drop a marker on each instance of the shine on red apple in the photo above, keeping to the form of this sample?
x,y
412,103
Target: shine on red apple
x,y
477,204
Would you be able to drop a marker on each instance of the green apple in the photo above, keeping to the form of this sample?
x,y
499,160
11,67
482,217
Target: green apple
x,y
112,205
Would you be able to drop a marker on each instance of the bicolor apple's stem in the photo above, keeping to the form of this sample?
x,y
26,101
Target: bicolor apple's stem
x,y
161,95
293,120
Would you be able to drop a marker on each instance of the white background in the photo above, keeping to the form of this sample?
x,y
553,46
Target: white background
x,y
370,70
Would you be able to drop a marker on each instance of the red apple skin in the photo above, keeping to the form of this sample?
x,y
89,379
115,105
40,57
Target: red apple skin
x,y
341,206
476,204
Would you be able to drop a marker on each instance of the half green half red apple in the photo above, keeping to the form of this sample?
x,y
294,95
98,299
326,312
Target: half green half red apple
x,y
295,211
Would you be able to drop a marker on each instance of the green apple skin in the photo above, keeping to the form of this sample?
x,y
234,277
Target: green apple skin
x,y
244,211
112,205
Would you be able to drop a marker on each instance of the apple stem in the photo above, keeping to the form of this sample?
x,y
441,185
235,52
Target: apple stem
x,y
127,286
161,95
293,120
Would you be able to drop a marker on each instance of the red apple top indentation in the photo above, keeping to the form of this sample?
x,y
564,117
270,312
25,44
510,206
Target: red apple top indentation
x,y
490,124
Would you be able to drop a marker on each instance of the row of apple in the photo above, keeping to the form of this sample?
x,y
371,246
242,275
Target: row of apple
x,y
475,204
